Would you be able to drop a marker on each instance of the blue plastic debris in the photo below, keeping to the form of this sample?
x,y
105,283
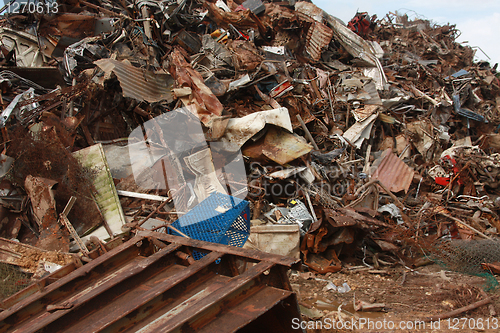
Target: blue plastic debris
x,y
466,112
220,218
458,74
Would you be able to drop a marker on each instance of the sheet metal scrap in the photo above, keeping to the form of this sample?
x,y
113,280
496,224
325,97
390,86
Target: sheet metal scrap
x,y
105,195
206,103
394,173
139,84
24,45
278,146
42,198
149,284
318,37
354,44
52,237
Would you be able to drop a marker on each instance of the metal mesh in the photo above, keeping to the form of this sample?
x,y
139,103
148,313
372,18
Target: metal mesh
x,y
321,196
466,256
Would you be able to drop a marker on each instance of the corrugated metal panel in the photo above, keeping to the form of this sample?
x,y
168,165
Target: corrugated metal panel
x,y
308,9
150,284
138,83
354,44
318,38
394,173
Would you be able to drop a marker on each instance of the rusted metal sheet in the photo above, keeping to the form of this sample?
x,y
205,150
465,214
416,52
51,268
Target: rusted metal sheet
x,y
148,285
318,37
278,146
206,105
354,44
24,45
40,192
308,11
70,25
138,83
394,173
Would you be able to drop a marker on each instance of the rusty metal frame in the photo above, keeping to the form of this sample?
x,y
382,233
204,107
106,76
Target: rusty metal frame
x,y
152,284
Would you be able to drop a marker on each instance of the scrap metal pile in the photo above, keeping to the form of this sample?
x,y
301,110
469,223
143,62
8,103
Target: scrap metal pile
x,y
371,143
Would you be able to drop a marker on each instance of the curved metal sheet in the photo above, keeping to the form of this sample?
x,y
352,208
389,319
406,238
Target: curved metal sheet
x,y
138,83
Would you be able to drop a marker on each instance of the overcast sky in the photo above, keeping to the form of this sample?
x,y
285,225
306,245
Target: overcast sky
x,y
479,20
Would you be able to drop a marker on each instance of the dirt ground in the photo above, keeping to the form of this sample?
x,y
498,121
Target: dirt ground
x,y
408,297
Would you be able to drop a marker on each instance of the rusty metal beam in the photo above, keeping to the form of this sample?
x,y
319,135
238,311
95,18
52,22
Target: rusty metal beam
x,y
141,286
40,285
254,254
132,305
37,302
239,315
204,301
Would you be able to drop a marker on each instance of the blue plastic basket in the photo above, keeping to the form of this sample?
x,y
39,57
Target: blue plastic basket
x,y
220,218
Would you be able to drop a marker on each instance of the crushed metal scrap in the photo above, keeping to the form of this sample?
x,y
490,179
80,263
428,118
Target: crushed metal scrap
x,y
372,144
